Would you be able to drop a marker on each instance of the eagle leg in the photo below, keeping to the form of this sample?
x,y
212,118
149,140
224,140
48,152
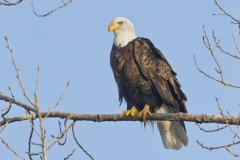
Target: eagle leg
x,y
144,113
132,112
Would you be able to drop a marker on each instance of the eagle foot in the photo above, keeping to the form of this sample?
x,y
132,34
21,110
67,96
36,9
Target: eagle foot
x,y
132,112
144,113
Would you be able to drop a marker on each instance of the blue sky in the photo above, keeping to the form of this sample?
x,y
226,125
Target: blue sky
x,y
73,45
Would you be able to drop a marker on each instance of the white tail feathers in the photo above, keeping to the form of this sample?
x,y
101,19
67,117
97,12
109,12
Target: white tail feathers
x,y
172,132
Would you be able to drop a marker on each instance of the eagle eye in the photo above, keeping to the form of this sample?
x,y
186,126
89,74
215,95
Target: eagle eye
x,y
120,22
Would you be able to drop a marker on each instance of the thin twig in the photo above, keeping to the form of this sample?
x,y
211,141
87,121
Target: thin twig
x,y
235,44
44,151
69,155
30,139
3,127
211,49
7,110
62,95
52,11
211,77
36,87
7,3
56,141
219,46
219,70
224,12
17,102
10,90
60,98
221,112
232,153
217,147
11,149
211,130
62,134
79,145
18,72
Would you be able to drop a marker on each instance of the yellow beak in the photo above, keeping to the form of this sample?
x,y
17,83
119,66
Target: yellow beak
x,y
113,26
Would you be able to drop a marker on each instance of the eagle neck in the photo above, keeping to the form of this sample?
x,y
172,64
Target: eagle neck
x,y
121,39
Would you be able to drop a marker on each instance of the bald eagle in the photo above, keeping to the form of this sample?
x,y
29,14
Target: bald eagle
x,y
146,81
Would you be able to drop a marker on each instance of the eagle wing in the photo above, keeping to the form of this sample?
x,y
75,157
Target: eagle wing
x,y
154,67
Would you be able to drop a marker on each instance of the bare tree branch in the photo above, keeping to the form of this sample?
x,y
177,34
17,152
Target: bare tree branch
x,y
217,147
232,153
44,150
225,13
199,118
203,118
79,145
53,10
11,149
56,140
7,110
36,87
69,155
219,46
17,102
214,48
64,4
62,134
30,139
228,125
235,44
18,73
219,69
7,3
211,130
222,81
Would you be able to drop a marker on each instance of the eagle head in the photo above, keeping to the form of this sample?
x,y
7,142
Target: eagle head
x,y
124,31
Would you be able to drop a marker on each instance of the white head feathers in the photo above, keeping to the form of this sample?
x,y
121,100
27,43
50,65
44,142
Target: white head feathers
x,y
124,31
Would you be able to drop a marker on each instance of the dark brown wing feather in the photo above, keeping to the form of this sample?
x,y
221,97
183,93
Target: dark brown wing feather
x,y
156,69
116,66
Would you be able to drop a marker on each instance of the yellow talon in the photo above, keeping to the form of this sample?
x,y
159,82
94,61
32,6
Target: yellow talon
x,y
132,112
144,113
